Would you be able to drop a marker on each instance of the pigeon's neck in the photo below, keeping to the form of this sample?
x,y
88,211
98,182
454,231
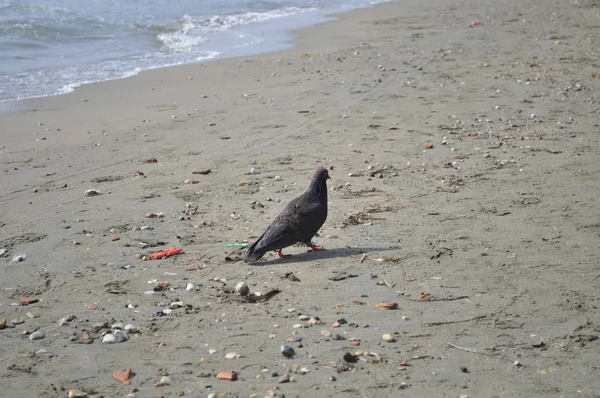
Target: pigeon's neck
x,y
319,187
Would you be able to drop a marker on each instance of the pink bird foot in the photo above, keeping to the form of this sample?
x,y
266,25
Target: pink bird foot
x,y
316,249
280,254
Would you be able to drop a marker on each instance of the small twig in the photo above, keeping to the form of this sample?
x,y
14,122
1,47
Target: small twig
x,y
388,285
432,298
473,351
451,322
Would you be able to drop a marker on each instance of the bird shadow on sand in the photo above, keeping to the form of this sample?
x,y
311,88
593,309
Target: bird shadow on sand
x,y
324,255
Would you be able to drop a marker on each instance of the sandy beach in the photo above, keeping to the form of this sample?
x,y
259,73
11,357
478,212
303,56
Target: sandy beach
x,y
462,141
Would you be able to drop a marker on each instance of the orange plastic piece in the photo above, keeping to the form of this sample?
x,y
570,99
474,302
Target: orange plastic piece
x,y
166,253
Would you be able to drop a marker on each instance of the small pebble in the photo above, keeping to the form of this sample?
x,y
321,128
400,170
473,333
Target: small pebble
x,y
131,328
77,394
109,338
19,257
287,351
190,287
66,319
350,358
37,335
242,289
254,171
277,178
388,338
92,192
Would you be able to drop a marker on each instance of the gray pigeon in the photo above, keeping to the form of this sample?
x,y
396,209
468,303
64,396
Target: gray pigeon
x,y
299,221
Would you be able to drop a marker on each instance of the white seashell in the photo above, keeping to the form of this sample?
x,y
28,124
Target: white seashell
x,y
190,287
92,192
232,355
109,338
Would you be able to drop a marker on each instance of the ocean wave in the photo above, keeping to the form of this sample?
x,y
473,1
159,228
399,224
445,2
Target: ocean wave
x,y
44,83
189,32
183,39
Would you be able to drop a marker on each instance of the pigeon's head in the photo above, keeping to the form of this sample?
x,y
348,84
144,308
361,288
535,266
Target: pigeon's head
x,y
321,174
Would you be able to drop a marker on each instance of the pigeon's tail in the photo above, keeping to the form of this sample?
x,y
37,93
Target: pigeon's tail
x,y
253,254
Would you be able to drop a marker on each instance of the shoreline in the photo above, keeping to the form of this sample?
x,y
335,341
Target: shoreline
x,y
463,193
271,45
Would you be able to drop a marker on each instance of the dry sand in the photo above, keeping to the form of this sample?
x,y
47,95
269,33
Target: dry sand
x,y
488,241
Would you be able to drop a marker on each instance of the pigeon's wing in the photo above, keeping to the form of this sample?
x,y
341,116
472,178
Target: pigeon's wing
x,y
281,233
308,217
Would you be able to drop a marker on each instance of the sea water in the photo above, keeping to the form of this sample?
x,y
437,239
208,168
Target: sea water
x,y
49,47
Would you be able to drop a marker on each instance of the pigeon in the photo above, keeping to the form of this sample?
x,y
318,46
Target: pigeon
x,y
299,221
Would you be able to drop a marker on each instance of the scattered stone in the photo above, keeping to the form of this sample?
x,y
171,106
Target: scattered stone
x,y
388,338
286,378
287,351
2,323
109,338
242,289
228,376
254,171
83,338
201,171
19,257
464,369
17,321
131,328
66,319
31,315
28,300
277,178
350,358
92,306
37,335
92,192
164,381
232,355
123,376
77,394
304,317
387,306
121,336
190,287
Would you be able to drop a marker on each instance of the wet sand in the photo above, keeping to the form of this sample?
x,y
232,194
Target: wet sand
x,y
465,175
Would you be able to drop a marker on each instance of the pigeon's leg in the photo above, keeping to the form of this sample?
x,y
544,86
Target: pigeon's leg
x,y
314,248
280,254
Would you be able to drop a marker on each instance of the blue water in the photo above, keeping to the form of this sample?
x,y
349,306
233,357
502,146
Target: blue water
x,y
49,47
